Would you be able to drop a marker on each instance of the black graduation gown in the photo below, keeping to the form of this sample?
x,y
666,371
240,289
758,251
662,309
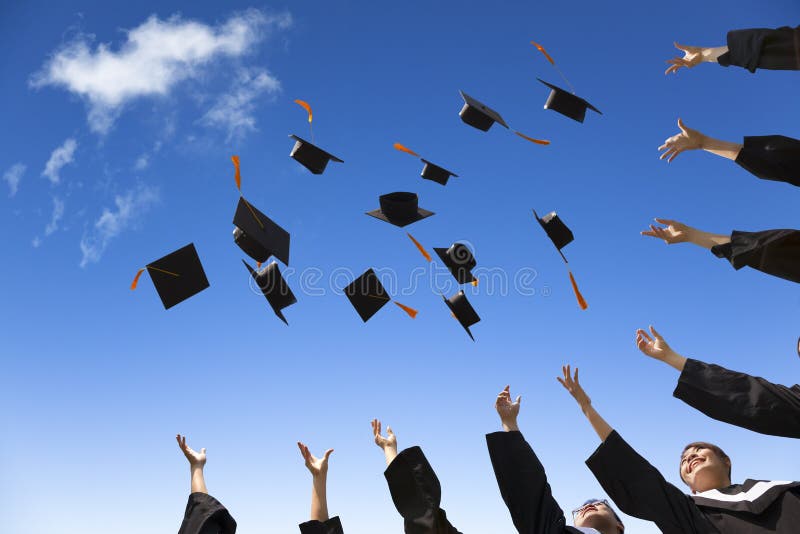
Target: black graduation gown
x,y
771,157
524,488
331,526
206,515
775,252
763,48
417,494
740,399
755,507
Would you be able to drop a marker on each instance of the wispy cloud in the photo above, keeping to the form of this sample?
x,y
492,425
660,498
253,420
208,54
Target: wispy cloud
x,y
235,111
156,55
13,176
61,156
36,242
129,208
142,162
58,213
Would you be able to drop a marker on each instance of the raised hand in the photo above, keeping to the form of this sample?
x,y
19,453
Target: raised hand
x,y
317,466
656,347
673,232
507,410
383,442
692,56
195,459
572,385
688,139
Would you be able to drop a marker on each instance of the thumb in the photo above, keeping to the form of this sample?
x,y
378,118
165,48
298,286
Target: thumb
x,y
203,450
681,125
389,430
328,453
519,398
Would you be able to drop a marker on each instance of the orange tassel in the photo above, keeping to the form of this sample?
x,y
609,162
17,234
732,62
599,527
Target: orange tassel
x,y
532,140
258,265
543,51
238,175
136,279
475,282
410,311
420,247
401,148
307,108
581,300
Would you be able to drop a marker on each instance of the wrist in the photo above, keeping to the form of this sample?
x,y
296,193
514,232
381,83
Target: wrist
x,y
510,426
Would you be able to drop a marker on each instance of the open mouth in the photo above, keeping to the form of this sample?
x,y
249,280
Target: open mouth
x,y
590,508
694,463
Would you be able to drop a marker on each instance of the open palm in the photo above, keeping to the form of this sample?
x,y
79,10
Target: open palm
x,y
692,56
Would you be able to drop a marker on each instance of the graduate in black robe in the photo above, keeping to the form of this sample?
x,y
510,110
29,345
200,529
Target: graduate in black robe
x,y
414,486
757,48
320,522
204,514
769,157
524,488
715,506
737,398
775,252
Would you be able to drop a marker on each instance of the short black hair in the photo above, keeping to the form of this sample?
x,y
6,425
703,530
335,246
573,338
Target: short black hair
x,y
705,445
589,501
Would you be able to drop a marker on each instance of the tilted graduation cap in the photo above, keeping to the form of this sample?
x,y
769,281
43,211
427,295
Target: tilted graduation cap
x,y
307,153
459,259
274,287
566,103
367,295
561,236
400,209
462,310
430,171
479,115
258,235
177,276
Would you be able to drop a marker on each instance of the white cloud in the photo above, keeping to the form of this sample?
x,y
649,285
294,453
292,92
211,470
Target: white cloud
x,y
129,208
58,213
36,242
61,156
156,55
13,176
234,111
142,162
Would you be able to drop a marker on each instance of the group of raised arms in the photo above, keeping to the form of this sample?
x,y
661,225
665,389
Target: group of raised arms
x,y
714,504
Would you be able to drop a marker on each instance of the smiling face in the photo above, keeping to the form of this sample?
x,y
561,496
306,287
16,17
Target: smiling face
x,y
705,467
597,514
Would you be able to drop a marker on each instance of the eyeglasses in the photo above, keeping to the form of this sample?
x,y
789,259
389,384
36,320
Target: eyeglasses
x,y
577,511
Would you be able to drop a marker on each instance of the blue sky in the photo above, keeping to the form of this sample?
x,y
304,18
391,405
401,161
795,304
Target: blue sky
x,y
116,150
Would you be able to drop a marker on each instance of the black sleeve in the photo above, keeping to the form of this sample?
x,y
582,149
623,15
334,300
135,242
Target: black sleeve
x,y
205,514
763,48
771,157
416,493
775,252
739,399
523,485
641,491
331,526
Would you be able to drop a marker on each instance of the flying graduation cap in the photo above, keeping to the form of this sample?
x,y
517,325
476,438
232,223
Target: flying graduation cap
x,y
400,208
256,234
480,116
430,171
307,153
462,310
367,295
459,259
565,102
177,276
274,288
561,236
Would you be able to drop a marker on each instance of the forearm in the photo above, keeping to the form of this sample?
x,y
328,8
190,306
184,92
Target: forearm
x,y
675,360
599,424
510,425
390,453
198,481
707,239
726,149
319,499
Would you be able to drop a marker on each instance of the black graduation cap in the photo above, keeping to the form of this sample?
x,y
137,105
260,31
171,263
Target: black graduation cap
x,y
459,259
367,295
177,276
556,230
257,235
433,172
462,310
311,156
400,209
566,103
479,115
274,287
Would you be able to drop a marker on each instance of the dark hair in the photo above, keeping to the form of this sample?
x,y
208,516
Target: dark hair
x,y
704,445
589,501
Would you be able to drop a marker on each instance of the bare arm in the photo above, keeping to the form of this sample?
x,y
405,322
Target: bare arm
x,y
656,347
318,467
690,139
676,232
388,444
693,56
197,462
571,384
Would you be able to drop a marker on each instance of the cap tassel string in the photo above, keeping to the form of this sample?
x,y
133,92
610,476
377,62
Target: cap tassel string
x,y
135,282
410,311
307,107
553,63
419,247
238,177
581,301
